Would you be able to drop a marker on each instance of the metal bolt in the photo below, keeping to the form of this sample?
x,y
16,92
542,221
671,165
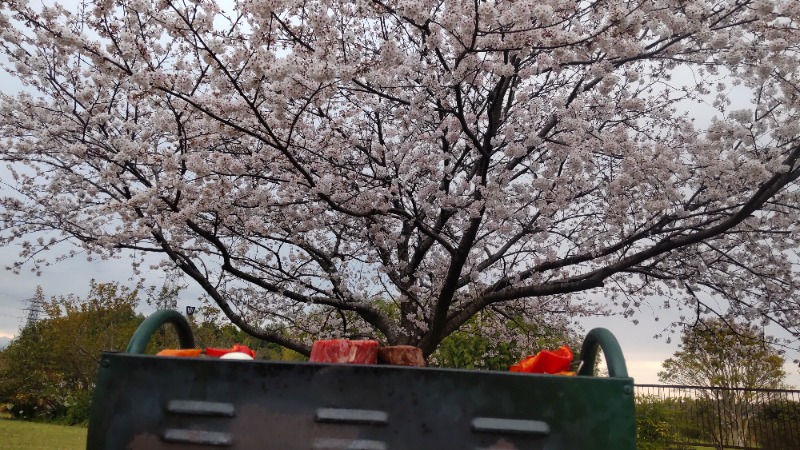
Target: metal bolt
x,y
627,389
106,363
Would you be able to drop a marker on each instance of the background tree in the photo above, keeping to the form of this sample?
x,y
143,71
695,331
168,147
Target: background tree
x,y
166,297
301,160
724,353
494,341
731,356
48,371
29,387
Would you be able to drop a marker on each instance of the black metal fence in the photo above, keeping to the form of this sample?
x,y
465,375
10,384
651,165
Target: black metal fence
x,y
687,417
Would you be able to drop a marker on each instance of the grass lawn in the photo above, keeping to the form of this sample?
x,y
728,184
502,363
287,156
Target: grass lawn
x,y
19,435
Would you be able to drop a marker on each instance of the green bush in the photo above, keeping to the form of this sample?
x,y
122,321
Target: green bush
x,y
658,424
77,409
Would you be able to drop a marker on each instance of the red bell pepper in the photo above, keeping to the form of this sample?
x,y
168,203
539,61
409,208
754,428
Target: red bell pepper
x,y
217,352
546,361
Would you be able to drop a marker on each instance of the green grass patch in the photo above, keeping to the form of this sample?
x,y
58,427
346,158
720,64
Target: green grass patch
x,y
21,435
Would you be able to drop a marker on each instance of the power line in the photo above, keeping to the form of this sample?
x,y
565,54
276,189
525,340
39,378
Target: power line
x,y
7,294
9,315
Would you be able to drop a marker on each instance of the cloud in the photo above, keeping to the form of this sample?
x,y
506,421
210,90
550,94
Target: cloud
x,y
4,340
644,371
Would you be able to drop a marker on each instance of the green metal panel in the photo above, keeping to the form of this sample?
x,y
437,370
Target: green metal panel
x,y
147,402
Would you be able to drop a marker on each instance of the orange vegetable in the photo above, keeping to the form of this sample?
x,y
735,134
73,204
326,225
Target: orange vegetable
x,y
546,361
184,352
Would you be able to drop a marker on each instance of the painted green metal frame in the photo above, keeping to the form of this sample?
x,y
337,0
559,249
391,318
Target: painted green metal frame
x,y
141,337
148,402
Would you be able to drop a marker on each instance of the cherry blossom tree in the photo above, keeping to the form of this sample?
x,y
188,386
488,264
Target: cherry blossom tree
x,y
392,168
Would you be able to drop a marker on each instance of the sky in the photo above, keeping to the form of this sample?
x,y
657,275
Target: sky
x,y
642,351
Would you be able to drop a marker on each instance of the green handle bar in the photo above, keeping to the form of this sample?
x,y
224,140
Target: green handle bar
x,y
141,337
602,338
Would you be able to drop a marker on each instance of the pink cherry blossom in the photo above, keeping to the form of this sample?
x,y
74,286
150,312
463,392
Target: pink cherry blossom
x,y
392,168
